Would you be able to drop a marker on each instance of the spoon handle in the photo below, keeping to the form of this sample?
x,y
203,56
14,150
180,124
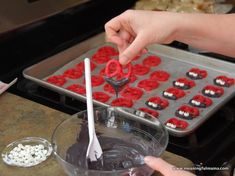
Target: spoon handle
x,y
90,112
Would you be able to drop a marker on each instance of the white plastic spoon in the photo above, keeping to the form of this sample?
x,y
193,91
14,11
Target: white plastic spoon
x,y
94,150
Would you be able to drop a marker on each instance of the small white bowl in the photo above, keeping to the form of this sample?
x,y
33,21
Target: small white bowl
x,y
31,141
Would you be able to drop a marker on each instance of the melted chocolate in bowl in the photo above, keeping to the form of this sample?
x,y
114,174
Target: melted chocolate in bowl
x,y
117,153
125,139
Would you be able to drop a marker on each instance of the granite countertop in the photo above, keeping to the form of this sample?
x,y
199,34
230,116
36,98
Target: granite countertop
x,y
23,118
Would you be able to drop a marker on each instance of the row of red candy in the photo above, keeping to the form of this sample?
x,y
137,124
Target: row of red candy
x,y
198,100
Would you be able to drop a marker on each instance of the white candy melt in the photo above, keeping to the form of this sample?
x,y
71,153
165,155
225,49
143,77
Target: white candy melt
x,y
26,156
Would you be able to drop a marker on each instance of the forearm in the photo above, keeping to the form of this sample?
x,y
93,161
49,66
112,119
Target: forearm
x,y
215,33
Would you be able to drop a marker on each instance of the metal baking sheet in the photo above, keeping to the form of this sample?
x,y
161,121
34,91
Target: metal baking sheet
x,y
174,61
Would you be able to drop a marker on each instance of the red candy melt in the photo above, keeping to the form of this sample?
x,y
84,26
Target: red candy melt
x,y
77,88
148,84
100,59
123,102
100,96
152,61
96,80
80,66
109,88
73,73
107,51
160,75
103,54
139,69
132,93
57,80
115,69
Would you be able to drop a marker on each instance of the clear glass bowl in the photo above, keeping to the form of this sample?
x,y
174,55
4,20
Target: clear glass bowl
x,y
31,141
146,134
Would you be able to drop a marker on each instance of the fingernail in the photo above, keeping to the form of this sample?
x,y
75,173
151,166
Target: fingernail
x,y
147,159
144,51
123,60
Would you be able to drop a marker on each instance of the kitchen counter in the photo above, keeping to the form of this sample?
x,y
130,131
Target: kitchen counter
x,y
23,118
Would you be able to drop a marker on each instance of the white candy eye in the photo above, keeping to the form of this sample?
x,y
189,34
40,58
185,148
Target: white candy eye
x,y
168,124
197,103
27,155
181,112
207,91
154,105
222,83
186,114
171,125
195,74
212,92
181,84
165,93
191,73
140,113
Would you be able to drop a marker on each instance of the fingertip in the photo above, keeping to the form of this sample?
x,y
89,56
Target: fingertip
x,y
144,51
124,60
148,159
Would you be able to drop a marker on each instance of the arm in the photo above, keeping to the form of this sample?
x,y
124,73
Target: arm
x,y
215,33
133,30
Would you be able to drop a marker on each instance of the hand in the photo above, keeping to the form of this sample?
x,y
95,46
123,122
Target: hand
x,y
165,168
133,30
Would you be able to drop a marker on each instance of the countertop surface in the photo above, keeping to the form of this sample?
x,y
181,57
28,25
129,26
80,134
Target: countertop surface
x,y
23,118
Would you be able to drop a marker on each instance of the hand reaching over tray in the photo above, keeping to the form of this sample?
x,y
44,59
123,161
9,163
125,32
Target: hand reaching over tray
x,y
133,30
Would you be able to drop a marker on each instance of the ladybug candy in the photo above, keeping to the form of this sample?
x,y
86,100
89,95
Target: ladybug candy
x,y
196,73
157,103
184,83
175,123
142,112
200,101
213,91
223,81
187,112
173,93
